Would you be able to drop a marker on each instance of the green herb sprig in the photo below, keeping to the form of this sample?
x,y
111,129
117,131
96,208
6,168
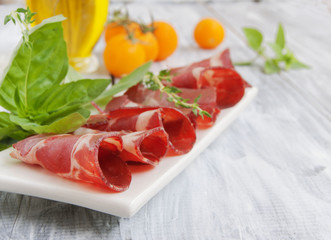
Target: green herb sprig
x,y
154,82
24,18
283,59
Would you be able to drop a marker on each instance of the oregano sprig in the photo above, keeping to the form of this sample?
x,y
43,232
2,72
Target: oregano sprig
x,y
154,82
283,59
24,18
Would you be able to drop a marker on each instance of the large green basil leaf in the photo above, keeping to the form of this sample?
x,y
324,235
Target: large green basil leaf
x,y
32,71
72,93
66,124
8,129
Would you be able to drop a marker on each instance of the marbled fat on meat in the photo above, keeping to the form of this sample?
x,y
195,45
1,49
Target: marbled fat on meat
x,y
178,126
218,72
189,76
147,146
91,158
207,101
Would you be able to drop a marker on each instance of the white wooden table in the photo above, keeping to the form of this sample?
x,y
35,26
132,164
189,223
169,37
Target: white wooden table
x,y
267,177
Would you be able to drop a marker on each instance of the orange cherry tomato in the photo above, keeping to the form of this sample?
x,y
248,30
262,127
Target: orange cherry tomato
x,y
167,39
209,33
122,55
150,44
114,28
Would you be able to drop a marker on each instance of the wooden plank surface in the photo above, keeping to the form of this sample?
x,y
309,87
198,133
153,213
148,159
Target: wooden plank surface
x,y
267,177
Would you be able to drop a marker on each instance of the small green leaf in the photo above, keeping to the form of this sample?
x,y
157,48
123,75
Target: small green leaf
x,y
21,10
19,18
243,63
254,38
171,89
280,37
296,64
7,19
197,99
206,113
170,99
201,114
164,73
271,66
277,50
291,62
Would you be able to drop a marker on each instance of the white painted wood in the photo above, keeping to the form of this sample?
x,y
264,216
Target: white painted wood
x,y
266,177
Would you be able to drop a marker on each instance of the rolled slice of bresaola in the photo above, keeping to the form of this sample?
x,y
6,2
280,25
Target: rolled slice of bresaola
x,y
218,72
178,126
207,97
147,146
230,87
189,76
92,158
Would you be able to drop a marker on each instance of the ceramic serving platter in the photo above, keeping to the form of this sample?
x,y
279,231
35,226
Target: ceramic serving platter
x,y
18,177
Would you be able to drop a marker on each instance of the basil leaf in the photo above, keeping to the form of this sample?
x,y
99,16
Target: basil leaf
x,y
254,38
4,146
78,92
7,19
47,118
277,50
66,124
280,37
271,66
6,126
10,129
296,64
27,71
124,83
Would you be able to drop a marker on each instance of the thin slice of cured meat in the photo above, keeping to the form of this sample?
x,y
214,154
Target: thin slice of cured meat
x,y
147,146
207,102
92,158
230,87
178,126
189,76
218,72
120,102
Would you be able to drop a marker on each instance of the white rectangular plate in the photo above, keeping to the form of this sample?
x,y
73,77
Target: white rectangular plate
x,y
19,177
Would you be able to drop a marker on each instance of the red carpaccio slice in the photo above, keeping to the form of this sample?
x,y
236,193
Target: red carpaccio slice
x,y
178,126
189,76
216,71
92,158
230,87
207,101
147,146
